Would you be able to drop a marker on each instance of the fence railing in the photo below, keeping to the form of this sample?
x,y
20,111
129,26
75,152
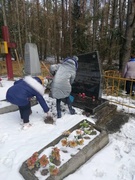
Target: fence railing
x,y
114,89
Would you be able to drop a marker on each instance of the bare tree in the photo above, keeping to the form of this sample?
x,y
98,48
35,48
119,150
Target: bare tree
x,y
25,20
56,30
122,14
112,29
130,25
65,27
70,27
18,28
95,23
3,13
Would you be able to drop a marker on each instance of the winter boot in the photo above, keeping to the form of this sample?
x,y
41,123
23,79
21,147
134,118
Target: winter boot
x,y
26,126
71,110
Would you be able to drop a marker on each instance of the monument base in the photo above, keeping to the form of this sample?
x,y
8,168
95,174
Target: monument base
x,y
89,104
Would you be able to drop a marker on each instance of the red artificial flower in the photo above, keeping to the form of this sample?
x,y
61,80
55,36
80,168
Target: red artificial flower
x,y
32,160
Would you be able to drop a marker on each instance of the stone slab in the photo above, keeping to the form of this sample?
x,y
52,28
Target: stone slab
x,y
77,160
103,115
12,107
110,119
116,122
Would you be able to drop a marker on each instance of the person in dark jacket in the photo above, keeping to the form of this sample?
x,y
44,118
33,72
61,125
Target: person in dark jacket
x,y
21,93
129,72
61,85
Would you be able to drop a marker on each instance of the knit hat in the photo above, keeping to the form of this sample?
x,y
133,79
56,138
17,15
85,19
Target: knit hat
x,y
75,58
42,79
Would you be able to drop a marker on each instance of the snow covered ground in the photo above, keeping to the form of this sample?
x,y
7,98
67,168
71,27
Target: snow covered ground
x,y
116,161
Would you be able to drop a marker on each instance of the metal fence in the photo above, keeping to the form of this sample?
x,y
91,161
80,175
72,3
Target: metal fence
x,y
114,89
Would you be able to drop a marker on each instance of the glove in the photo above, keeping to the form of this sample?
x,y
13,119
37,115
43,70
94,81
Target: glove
x,y
49,118
49,114
45,82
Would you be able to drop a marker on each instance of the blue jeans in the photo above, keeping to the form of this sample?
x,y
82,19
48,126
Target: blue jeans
x,y
130,86
68,102
25,112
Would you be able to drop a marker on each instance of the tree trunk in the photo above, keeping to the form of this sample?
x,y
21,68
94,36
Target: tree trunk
x,y
95,24
18,28
112,30
122,9
25,21
70,26
129,32
4,14
56,31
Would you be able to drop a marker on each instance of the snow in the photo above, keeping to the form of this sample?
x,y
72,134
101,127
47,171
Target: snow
x,y
116,161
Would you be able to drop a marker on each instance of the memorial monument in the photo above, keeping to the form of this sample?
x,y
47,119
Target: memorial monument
x,y
32,63
87,87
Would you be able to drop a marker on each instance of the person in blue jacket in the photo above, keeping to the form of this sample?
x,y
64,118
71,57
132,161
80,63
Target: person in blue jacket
x,y
21,93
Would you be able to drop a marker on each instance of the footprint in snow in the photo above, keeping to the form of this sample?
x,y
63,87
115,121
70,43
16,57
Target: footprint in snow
x,y
9,159
3,137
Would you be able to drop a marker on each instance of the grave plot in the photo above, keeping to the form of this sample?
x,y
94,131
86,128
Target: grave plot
x,y
66,153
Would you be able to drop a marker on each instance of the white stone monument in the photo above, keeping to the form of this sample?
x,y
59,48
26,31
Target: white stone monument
x,y
32,63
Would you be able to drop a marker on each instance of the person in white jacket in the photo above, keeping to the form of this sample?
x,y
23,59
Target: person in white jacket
x,y
129,72
61,85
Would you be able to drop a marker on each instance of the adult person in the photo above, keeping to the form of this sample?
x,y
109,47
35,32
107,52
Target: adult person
x,y
61,85
21,93
129,72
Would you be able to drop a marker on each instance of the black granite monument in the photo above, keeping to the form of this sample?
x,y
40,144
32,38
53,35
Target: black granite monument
x,y
87,87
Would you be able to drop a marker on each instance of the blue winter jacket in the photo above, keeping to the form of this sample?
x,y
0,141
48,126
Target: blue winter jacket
x,y
24,89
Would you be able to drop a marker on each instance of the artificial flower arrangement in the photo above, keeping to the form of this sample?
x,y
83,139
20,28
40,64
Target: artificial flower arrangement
x,y
70,141
35,162
77,137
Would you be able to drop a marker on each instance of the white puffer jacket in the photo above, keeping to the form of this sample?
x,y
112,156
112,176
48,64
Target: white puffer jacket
x,y
63,79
